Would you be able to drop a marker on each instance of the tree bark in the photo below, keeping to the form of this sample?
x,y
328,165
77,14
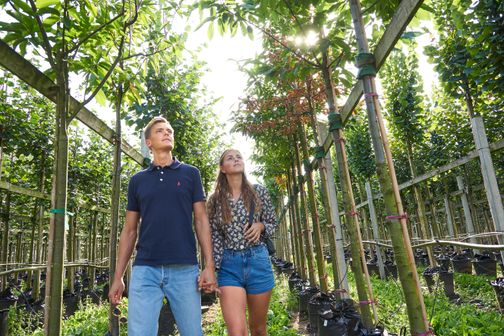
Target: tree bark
x,y
322,275
305,225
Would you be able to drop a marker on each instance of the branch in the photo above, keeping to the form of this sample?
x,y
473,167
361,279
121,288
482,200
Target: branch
x,y
112,67
134,18
263,30
101,84
145,54
45,40
291,11
337,59
97,30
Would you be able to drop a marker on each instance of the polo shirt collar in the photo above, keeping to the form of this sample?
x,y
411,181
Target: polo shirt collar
x,y
175,165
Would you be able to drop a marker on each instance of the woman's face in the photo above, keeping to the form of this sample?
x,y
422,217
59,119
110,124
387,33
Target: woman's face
x,y
232,163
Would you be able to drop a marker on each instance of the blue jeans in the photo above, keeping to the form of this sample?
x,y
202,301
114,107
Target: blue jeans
x,y
148,286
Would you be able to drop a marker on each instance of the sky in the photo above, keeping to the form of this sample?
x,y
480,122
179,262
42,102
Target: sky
x,y
224,79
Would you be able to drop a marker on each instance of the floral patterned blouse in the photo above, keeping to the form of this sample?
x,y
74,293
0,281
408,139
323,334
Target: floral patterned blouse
x,y
232,236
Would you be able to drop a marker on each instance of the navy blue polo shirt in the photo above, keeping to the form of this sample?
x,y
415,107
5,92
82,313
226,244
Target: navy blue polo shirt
x,y
164,197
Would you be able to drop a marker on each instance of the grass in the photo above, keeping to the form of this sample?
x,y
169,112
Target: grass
x,y
446,318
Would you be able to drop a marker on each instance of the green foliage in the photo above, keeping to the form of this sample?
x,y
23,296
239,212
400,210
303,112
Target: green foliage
x,y
358,143
174,91
446,318
403,92
22,322
88,320
468,55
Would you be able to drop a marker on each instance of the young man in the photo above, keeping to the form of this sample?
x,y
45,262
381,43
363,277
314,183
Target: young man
x,y
164,197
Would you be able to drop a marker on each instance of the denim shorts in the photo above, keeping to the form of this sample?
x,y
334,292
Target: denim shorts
x,y
249,269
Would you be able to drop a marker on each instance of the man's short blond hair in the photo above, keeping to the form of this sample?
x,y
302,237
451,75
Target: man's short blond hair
x,y
154,121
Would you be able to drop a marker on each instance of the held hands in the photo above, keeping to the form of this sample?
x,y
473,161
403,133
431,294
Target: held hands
x,y
253,233
207,282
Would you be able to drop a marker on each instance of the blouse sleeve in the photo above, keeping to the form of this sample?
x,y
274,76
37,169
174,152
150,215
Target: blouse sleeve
x,y
268,215
217,241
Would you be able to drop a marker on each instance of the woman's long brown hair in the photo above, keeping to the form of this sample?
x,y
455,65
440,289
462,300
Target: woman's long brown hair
x,y
218,203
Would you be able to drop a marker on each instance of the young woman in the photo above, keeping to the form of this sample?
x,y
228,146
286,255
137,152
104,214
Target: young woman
x,y
244,276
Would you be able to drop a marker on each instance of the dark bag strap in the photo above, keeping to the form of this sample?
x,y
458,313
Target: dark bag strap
x,y
251,214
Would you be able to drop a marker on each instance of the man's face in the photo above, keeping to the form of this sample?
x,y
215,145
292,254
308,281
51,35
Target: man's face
x,y
161,137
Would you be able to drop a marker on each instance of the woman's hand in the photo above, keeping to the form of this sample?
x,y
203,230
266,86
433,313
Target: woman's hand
x,y
253,233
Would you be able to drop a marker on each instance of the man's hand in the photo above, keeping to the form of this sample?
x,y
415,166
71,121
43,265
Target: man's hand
x,y
207,282
116,291
253,233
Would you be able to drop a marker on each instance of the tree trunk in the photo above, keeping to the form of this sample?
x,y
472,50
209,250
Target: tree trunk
x,y
406,267
29,279
296,224
322,275
92,259
70,271
6,237
359,265
467,209
422,220
374,223
56,242
305,225
40,232
115,204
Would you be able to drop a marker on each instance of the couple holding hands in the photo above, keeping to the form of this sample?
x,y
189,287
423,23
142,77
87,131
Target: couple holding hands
x,y
163,200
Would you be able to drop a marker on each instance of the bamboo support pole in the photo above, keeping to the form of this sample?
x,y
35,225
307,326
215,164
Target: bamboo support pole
x,y
397,223
334,228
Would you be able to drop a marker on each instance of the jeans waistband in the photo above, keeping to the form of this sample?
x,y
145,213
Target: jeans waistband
x,y
249,251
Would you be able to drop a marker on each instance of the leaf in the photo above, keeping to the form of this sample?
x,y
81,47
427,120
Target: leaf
x,y
23,5
210,31
101,98
46,3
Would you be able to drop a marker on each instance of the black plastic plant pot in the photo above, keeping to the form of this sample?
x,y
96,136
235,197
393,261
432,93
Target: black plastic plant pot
x,y
4,322
287,268
498,286
317,303
485,267
444,262
208,299
428,275
373,268
166,321
331,327
429,279
5,303
391,271
71,303
462,264
304,296
294,278
447,279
